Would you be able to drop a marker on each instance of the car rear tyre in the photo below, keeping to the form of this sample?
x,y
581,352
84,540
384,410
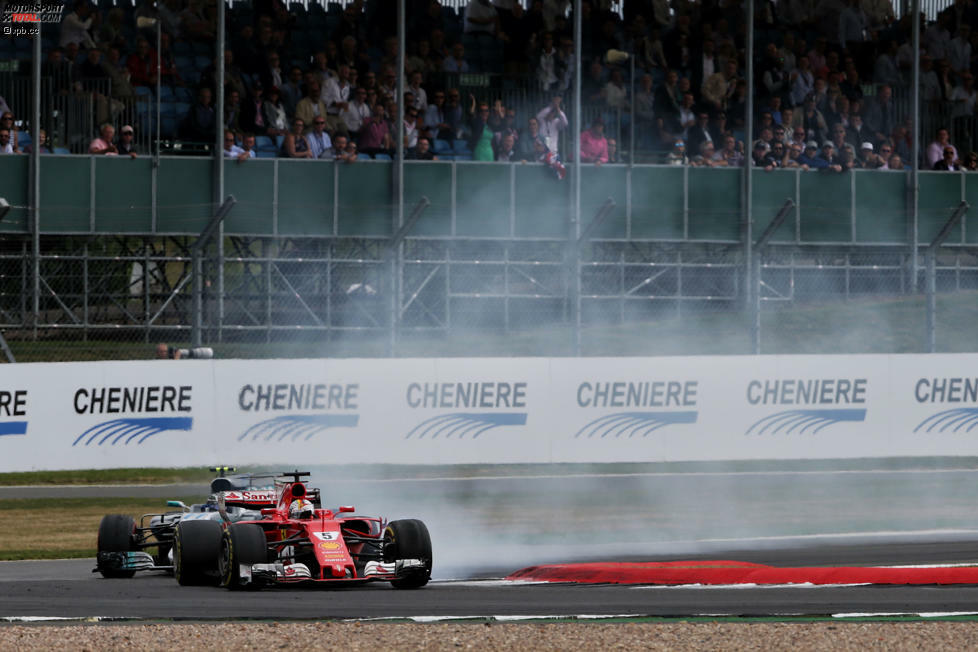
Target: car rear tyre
x,y
116,534
242,543
196,549
409,539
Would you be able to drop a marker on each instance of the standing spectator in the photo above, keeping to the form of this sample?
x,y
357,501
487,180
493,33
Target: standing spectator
x,y
964,99
887,70
200,122
78,26
410,128
454,113
6,144
936,150
699,132
811,119
319,142
552,121
959,50
456,62
524,144
375,136
480,140
852,28
719,89
547,65
295,145
117,72
103,143
594,146
481,27
127,144
336,96
271,73
667,101
358,110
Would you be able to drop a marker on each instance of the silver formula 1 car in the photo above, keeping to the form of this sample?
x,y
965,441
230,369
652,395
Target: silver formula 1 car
x,y
123,543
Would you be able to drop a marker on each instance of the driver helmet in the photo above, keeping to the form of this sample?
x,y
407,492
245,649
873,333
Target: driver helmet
x,y
301,509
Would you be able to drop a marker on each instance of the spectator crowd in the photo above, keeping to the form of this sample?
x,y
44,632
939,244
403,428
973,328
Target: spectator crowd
x,y
320,82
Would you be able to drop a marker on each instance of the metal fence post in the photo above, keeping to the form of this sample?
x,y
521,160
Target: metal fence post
x,y
754,279
396,254
574,265
197,253
931,271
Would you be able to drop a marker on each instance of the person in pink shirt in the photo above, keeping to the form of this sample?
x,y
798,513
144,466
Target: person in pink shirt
x,y
375,137
594,146
103,144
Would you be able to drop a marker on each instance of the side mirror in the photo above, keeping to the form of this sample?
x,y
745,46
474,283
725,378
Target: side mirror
x,y
177,503
347,508
268,511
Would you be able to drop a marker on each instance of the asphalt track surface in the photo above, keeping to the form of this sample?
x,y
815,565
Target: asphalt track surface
x,y
807,519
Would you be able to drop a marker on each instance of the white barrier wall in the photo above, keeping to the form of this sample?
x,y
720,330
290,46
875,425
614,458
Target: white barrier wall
x,y
485,410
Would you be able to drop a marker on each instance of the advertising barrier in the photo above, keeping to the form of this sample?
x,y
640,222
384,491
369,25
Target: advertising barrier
x,y
485,410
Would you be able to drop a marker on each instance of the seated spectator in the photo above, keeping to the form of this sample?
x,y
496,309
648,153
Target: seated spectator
x,y
248,145
231,150
127,144
677,156
731,154
319,141
832,159
6,144
291,90
358,110
411,129
795,152
295,144
506,149
7,121
594,146
699,132
456,62
103,143
869,160
200,122
375,135
936,150
809,157
336,96
45,145
253,117
311,105
895,163
276,113
423,151
760,155
949,161
613,156
970,162
232,112
340,146
779,154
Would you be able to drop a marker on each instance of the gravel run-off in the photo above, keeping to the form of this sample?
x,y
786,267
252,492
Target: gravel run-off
x,y
820,636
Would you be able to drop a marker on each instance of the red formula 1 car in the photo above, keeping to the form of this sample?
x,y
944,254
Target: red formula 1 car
x,y
297,541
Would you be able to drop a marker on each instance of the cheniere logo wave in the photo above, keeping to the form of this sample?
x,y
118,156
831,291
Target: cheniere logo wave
x,y
297,426
950,421
13,428
131,429
804,421
631,424
462,424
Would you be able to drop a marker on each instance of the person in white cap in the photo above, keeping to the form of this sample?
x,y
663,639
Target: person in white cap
x,y
126,146
868,157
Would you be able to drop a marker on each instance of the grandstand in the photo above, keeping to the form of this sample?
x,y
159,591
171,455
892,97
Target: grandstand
x,y
667,123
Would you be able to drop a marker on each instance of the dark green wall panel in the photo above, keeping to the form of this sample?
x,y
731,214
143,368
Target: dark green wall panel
x,y
770,191
365,201
826,206
971,217
252,183
66,193
123,194
598,183
184,191
482,199
657,203
542,202
305,197
881,214
940,193
433,180
714,204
